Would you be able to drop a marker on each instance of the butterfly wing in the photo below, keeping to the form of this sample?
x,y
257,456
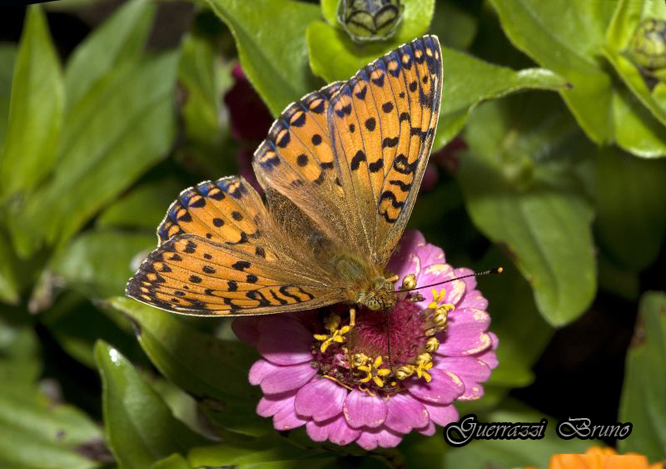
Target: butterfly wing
x,y
221,254
352,155
382,124
341,169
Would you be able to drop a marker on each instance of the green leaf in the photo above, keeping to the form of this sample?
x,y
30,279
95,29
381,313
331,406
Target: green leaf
x,y
631,207
138,425
40,434
35,109
455,27
204,80
606,112
481,454
616,279
7,58
270,453
644,388
617,50
422,452
9,281
119,39
210,369
98,263
123,126
143,207
469,81
522,191
270,36
20,363
175,461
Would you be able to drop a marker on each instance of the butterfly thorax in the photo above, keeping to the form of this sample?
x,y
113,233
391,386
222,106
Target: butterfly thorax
x,y
372,289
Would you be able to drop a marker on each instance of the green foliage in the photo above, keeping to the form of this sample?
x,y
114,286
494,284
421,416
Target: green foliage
x,y
274,58
606,113
631,196
522,190
139,427
98,139
35,111
645,382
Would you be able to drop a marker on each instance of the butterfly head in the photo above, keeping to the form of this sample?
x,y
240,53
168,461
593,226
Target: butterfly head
x,y
379,296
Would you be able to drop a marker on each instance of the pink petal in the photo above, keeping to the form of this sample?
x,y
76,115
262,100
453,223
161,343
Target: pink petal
x,y
469,281
444,387
320,399
466,333
405,413
428,430
471,370
404,260
494,339
259,370
286,378
286,419
284,341
363,410
270,405
473,299
318,431
246,329
442,415
434,273
341,433
336,429
489,357
370,439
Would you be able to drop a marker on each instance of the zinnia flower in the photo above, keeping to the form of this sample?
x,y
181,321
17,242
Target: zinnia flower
x,y
600,458
341,381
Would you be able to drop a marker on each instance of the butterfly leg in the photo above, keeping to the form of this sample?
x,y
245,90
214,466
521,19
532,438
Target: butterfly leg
x,y
352,317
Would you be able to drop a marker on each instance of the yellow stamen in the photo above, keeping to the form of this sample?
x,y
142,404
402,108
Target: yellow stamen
x,y
352,317
336,336
373,371
432,344
423,359
404,372
409,282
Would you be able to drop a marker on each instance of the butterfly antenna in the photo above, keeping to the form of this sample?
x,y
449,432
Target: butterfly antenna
x,y
496,270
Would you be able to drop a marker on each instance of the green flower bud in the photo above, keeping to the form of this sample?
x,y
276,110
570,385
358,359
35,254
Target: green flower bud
x,y
370,20
648,46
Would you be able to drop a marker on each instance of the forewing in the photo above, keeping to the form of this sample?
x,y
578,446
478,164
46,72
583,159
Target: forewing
x,y
191,275
297,161
221,252
382,124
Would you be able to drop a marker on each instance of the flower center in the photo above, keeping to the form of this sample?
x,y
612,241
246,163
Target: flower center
x,y
379,349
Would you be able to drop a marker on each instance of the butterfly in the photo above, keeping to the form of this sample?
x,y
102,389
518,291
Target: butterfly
x,y
340,170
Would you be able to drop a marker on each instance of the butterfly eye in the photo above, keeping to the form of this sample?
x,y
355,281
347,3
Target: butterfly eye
x,y
374,20
648,45
373,303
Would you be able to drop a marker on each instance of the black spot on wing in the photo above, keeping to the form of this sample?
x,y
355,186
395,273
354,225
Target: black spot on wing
x,y
357,159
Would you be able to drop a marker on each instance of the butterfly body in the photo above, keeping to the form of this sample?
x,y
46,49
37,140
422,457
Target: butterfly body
x,y
340,171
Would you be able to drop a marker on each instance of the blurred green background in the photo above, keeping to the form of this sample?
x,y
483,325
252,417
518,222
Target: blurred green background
x,y
548,160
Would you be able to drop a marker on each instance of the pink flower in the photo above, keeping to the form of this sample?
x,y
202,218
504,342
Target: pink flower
x,y
342,383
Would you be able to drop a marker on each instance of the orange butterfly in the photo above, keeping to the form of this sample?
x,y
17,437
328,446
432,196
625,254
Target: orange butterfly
x,y
341,169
